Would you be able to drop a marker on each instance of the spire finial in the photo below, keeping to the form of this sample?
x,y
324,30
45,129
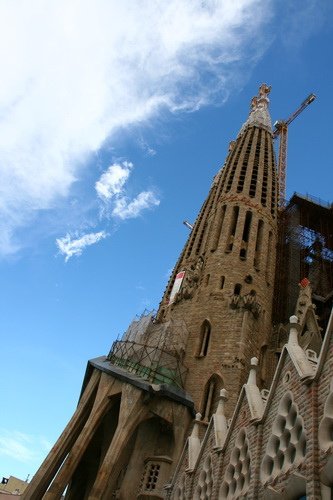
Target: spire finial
x,y
264,90
259,114
293,333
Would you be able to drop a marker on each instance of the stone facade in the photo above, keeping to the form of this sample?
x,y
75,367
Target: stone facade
x,y
180,408
278,443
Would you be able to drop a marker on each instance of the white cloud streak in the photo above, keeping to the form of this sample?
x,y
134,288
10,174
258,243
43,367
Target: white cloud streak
x,y
22,447
73,73
69,247
129,210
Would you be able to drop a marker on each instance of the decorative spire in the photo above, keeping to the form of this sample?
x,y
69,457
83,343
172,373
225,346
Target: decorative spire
x,y
259,114
220,421
293,333
194,443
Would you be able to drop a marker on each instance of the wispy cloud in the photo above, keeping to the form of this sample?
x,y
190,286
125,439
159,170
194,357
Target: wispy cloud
x,y
128,210
114,205
22,447
112,181
69,246
73,74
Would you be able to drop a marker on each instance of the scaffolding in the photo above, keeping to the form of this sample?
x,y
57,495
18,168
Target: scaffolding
x,y
305,250
153,351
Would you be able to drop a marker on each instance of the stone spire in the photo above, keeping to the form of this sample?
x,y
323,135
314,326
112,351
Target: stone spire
x,y
222,284
259,115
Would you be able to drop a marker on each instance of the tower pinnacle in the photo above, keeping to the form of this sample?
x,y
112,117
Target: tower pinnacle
x,y
259,114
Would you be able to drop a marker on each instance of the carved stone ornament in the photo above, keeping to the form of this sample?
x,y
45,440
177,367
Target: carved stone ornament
x,y
247,301
191,280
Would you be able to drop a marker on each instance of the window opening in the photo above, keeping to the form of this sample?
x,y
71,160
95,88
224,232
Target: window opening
x,y
237,289
254,176
257,252
265,176
232,231
152,476
204,339
218,229
222,280
212,389
246,234
242,174
234,165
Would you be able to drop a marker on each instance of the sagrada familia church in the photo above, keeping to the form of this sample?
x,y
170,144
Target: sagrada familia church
x,y
227,391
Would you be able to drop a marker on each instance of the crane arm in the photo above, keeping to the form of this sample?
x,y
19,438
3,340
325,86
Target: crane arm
x,y
281,129
304,104
278,125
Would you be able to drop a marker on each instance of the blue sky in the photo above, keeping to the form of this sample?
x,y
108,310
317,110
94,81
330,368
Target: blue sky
x,y
113,121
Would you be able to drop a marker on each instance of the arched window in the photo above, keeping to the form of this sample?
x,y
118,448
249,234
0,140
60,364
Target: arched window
x,y
204,339
210,396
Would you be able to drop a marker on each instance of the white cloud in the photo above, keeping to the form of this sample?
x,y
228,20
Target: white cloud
x,y
22,447
112,181
73,73
69,247
128,210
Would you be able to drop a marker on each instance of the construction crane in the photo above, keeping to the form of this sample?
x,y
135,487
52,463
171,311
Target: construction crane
x,y
281,129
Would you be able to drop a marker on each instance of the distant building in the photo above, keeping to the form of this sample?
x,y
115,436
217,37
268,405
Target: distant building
x,y
12,486
219,395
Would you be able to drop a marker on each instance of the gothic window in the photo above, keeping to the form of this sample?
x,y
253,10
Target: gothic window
x,y
246,234
204,339
205,484
211,392
287,443
238,473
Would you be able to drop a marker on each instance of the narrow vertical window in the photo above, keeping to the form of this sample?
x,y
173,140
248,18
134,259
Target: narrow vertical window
x,y
204,339
246,234
232,230
254,176
210,398
257,251
222,280
218,229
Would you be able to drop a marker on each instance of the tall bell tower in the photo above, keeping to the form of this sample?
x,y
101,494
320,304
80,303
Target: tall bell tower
x,y
222,285
137,404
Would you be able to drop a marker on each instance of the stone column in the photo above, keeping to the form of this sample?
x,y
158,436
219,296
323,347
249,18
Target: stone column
x,y
51,464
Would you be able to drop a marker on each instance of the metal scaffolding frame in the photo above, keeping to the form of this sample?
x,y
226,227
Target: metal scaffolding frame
x,y
305,250
153,351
